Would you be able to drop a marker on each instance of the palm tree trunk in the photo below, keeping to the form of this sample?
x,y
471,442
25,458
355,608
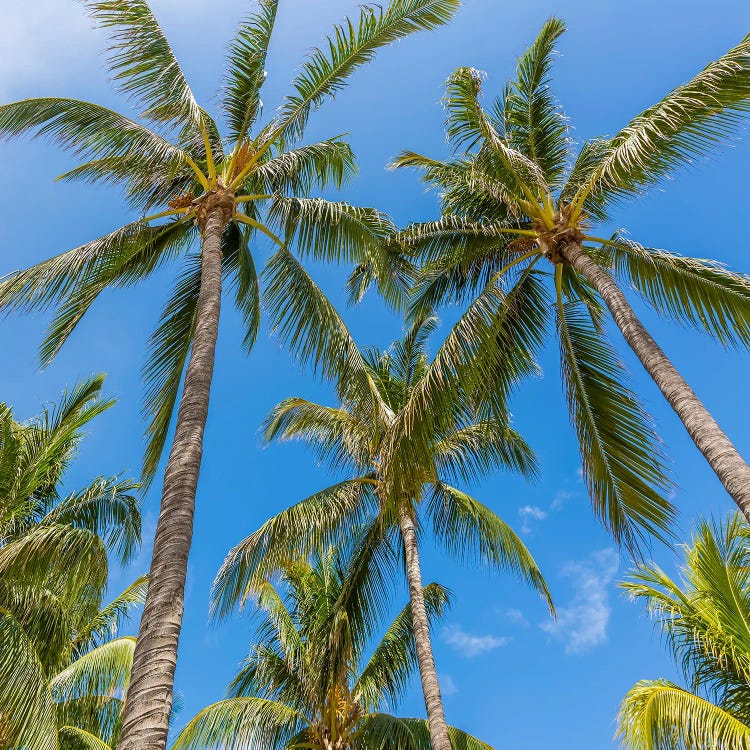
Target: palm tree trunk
x,y
439,737
149,696
725,460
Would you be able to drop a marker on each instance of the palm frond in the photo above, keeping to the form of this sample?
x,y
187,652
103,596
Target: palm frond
x,y
293,533
380,731
659,715
623,462
26,706
699,293
390,667
246,69
168,352
687,124
241,722
534,121
351,45
238,260
469,529
75,738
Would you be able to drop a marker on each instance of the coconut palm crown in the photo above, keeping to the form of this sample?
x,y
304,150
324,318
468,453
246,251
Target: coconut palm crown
x,y
368,438
206,194
703,616
321,675
519,207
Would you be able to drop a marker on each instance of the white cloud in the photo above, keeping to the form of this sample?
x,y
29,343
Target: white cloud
x,y
470,645
517,617
582,624
560,498
447,685
528,513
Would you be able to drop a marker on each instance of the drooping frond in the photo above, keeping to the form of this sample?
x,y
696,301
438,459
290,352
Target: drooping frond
x,y
293,533
471,530
246,69
476,450
623,462
699,293
75,738
107,507
239,262
534,122
689,123
659,715
241,722
168,352
352,45
90,130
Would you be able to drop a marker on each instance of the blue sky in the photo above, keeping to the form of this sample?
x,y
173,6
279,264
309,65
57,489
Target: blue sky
x,y
510,675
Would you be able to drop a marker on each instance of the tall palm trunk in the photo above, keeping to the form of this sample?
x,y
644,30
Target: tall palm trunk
x,y
149,696
433,701
709,438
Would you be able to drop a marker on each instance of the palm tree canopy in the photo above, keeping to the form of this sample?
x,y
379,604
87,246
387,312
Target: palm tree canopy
x,y
315,676
703,616
516,190
369,438
175,162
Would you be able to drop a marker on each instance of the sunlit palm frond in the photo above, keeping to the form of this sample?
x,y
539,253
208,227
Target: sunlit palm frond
x,y
690,122
471,530
623,461
699,293
246,69
534,121
352,45
380,731
659,715
241,722
389,669
27,711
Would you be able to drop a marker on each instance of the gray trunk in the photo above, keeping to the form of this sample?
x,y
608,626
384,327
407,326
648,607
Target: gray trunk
x,y
149,697
725,460
439,737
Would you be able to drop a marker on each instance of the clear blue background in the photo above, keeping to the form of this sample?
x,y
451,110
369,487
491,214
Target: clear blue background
x,y
533,685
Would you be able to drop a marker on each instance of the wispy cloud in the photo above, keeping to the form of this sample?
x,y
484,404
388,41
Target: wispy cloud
x,y
529,513
469,644
582,624
516,617
560,498
447,685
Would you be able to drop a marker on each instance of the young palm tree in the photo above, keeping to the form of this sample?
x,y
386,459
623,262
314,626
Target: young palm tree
x,y
71,696
223,193
510,200
307,683
704,618
368,438
58,660
38,523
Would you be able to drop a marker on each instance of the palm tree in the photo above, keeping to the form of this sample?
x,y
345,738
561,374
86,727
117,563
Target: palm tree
x,y
59,658
71,696
307,683
704,618
391,482
222,193
510,200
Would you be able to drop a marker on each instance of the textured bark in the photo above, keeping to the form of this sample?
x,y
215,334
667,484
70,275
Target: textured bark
x,y
725,460
149,697
439,737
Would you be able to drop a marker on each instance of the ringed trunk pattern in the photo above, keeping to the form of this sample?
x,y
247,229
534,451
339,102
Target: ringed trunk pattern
x,y
149,696
726,461
439,738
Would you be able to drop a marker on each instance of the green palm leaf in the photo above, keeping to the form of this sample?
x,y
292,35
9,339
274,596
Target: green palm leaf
x,y
623,463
